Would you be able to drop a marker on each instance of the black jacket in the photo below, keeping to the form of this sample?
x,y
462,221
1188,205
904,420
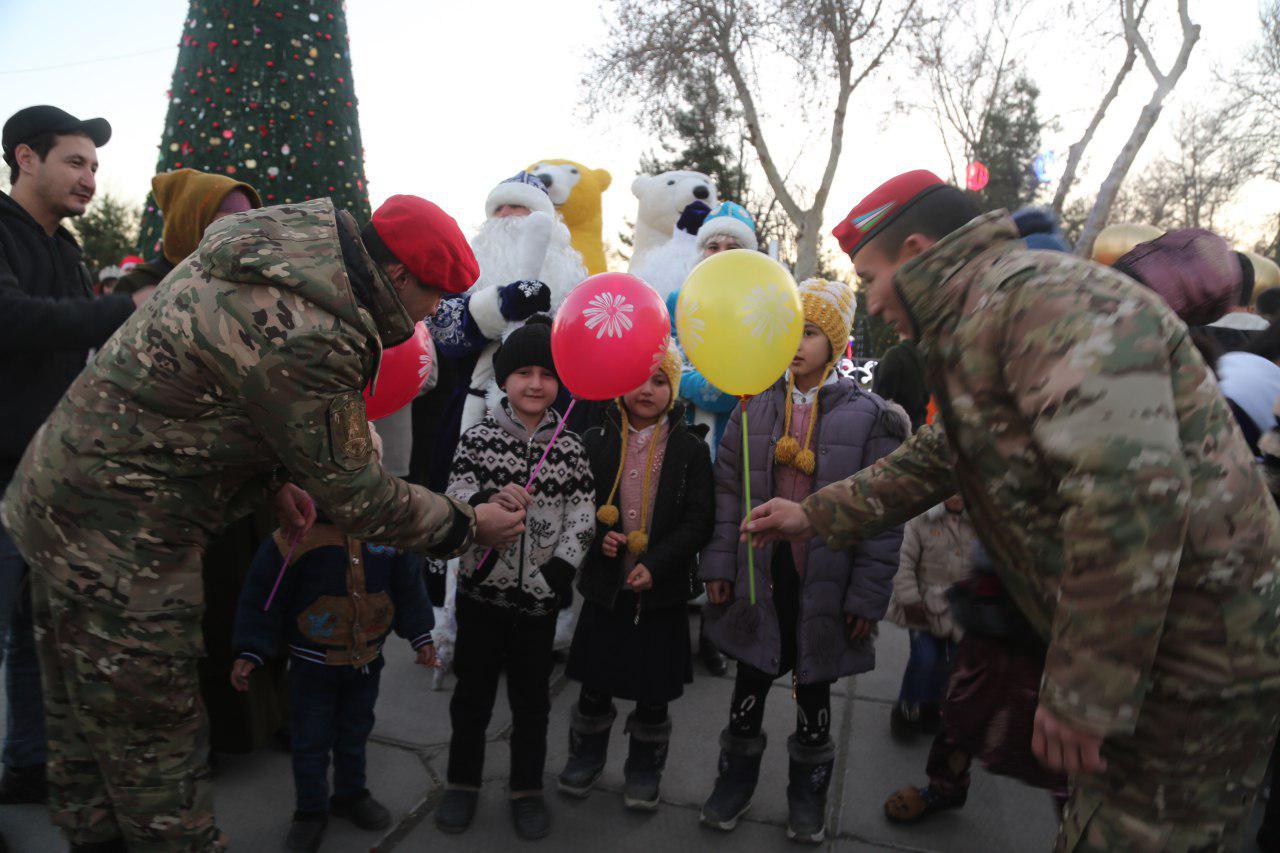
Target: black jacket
x,y
684,515
900,377
49,320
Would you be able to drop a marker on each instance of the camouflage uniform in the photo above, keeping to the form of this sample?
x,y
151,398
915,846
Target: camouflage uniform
x,y
244,369
1107,479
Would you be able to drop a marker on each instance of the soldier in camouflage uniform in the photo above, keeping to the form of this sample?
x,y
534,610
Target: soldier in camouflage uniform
x,y
1122,507
244,370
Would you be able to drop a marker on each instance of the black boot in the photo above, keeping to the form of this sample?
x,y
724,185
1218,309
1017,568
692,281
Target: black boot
x,y
530,817
904,721
807,790
643,770
22,785
456,810
306,832
363,810
739,773
588,749
711,657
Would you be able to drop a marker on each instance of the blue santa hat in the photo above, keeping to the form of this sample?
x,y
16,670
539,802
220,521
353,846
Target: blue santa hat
x,y
729,220
523,190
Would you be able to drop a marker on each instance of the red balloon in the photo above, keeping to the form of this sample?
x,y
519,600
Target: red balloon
x,y
607,334
976,176
401,374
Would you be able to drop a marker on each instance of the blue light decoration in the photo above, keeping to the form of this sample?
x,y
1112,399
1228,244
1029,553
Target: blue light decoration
x,y
1047,168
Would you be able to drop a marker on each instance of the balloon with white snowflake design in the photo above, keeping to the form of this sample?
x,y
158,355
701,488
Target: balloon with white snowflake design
x,y
608,334
739,320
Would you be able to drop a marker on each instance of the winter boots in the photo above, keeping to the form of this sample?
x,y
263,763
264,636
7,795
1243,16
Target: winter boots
x,y
810,777
588,748
645,761
739,773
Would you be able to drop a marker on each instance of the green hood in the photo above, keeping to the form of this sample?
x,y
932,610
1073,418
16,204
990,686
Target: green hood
x,y
296,247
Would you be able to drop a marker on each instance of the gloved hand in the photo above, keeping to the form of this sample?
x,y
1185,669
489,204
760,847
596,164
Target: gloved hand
x,y
692,217
520,300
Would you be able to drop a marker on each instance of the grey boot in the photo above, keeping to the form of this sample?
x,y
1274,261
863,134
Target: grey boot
x,y
807,790
647,757
588,748
739,773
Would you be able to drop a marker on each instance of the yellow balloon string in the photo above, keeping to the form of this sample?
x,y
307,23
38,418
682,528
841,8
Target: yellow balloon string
x,y
746,501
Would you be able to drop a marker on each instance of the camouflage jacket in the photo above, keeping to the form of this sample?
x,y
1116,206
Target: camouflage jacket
x,y
245,368
1102,470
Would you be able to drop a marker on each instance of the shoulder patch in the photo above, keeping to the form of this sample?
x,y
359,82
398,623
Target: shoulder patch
x,y
349,439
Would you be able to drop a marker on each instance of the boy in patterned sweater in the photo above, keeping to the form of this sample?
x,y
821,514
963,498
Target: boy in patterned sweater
x,y
508,599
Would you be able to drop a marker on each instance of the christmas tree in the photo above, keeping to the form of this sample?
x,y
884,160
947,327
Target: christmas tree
x,y
262,92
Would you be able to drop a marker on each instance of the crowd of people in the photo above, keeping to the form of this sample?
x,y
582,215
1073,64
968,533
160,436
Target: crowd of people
x,y
1058,485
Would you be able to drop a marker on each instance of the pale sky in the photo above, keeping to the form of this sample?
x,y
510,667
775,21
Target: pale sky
x,y
457,96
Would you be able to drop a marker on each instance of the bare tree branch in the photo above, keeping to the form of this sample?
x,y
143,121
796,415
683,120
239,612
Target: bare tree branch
x,y
1165,83
834,46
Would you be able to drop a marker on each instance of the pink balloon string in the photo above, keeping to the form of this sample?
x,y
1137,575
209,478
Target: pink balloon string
x,y
293,543
536,468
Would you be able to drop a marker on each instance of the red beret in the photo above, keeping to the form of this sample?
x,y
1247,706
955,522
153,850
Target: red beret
x,y
885,204
427,241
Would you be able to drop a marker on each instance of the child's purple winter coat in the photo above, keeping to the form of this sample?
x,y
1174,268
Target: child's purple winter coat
x,y
854,429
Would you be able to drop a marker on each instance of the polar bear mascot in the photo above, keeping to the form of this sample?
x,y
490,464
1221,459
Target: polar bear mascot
x,y
672,208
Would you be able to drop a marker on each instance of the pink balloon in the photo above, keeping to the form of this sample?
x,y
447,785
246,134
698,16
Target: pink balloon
x,y
402,373
607,334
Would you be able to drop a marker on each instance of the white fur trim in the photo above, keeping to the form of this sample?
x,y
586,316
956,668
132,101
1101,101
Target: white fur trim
x,y
534,242
729,227
486,310
665,268
511,192
473,411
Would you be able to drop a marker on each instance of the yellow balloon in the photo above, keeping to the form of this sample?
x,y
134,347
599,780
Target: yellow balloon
x,y
1266,273
739,320
1114,241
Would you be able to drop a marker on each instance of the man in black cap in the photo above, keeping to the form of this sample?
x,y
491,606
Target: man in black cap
x,y
49,320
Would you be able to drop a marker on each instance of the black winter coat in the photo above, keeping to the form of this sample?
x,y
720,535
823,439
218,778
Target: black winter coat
x,y
49,320
683,515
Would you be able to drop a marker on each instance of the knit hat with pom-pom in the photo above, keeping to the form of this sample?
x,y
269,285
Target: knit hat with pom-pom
x,y
829,305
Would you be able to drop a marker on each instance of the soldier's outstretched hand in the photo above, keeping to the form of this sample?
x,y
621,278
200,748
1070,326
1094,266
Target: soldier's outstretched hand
x,y
777,520
497,527
1060,747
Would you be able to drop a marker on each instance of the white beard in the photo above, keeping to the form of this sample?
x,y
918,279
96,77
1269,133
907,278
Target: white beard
x,y
497,247
502,246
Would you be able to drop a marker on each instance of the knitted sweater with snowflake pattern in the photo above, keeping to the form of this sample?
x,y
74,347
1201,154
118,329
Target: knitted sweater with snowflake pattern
x,y
560,524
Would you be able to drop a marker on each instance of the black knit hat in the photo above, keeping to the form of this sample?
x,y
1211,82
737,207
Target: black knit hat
x,y
527,346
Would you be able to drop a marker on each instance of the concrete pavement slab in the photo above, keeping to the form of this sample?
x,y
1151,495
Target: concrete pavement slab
x,y
1001,814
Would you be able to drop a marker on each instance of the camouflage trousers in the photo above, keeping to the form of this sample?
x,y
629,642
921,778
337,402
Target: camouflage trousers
x,y
1185,780
127,732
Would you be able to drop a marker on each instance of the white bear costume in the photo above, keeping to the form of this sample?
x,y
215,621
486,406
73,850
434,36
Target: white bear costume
x,y
662,254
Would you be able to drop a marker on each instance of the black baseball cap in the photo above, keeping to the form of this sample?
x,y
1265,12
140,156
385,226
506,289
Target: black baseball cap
x,y
27,124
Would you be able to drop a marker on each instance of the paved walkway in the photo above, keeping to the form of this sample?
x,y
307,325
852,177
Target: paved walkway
x,y
407,760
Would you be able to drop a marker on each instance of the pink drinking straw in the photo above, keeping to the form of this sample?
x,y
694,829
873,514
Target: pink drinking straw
x,y
536,468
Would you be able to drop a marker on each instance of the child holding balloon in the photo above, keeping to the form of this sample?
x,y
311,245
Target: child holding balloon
x,y
657,507
813,612
508,599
